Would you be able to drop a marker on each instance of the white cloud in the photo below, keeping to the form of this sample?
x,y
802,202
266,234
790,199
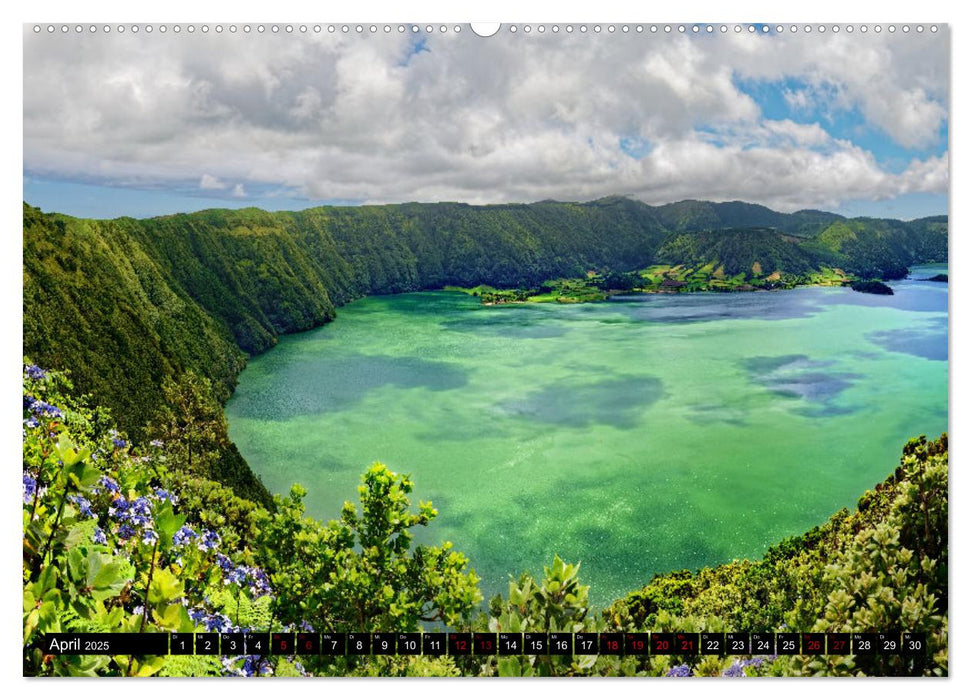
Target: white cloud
x,y
210,182
798,100
511,118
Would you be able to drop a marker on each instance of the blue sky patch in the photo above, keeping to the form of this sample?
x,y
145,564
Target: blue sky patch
x,y
635,147
782,99
417,46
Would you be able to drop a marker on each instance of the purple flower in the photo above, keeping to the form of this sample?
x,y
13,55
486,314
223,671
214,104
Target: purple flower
x,y
119,508
183,536
141,506
137,513
682,671
260,583
218,622
41,408
31,422
157,443
84,506
109,484
209,541
30,487
149,537
229,665
118,442
163,495
126,531
34,372
99,536
735,670
253,665
757,661
236,576
197,615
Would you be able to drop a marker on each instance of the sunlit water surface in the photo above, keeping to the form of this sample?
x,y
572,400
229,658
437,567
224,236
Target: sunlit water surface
x,y
641,435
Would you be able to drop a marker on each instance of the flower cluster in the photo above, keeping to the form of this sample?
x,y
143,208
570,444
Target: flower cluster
x,y
30,487
41,408
34,372
682,671
116,439
99,536
213,622
83,504
185,535
109,484
137,512
737,669
163,495
251,666
209,541
132,515
252,576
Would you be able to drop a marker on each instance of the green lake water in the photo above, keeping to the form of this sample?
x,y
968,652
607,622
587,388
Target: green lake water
x,y
636,436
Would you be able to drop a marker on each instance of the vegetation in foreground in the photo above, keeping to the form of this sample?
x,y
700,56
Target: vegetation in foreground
x,y
122,538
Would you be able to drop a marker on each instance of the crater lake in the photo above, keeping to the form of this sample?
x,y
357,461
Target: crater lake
x,y
640,435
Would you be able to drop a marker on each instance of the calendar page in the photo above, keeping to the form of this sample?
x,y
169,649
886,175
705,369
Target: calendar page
x,y
516,349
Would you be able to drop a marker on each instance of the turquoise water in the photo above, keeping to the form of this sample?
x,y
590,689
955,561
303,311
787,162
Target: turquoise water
x,y
641,435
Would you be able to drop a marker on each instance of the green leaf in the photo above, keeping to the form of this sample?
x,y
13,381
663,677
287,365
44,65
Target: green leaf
x,y
173,618
167,523
107,576
83,474
509,667
165,587
77,565
46,581
66,452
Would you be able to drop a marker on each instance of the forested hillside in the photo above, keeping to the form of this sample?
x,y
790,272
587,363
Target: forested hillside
x,y
126,304
739,250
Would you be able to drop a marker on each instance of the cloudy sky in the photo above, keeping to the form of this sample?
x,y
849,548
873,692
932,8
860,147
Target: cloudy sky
x,y
146,124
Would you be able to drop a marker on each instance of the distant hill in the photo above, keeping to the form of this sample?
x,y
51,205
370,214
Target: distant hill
x,y
694,215
742,250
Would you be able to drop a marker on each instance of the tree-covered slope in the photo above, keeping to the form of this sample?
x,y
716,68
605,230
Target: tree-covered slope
x,y
693,215
884,248
742,251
